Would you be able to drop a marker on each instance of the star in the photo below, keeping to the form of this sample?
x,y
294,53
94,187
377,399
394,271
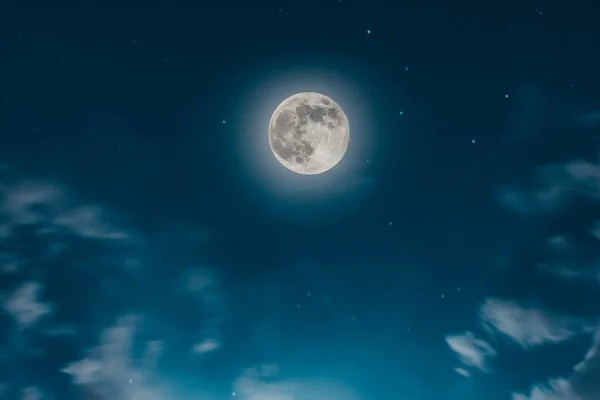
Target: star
x,y
368,31
223,122
401,113
473,141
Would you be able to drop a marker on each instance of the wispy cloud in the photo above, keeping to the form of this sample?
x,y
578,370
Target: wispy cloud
x,y
53,207
30,202
62,223
56,218
472,351
554,186
529,326
206,346
110,370
554,389
572,259
202,283
90,222
24,305
582,384
463,372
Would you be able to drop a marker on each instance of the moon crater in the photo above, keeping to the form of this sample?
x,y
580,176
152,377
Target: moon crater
x,y
309,133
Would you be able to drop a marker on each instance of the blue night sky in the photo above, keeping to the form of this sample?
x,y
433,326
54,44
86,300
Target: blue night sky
x,y
153,248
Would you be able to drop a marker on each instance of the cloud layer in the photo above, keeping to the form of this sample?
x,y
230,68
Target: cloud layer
x,y
529,326
556,187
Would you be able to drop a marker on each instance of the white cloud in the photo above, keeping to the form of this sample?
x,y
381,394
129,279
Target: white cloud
x,y
463,372
39,202
570,258
109,369
202,283
205,346
85,371
555,389
586,375
555,184
90,222
24,306
529,326
472,350
31,202
582,384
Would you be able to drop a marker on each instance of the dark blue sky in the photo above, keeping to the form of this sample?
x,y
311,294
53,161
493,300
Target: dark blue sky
x,y
152,248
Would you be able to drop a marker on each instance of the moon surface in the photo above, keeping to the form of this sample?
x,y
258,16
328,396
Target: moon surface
x,y
309,133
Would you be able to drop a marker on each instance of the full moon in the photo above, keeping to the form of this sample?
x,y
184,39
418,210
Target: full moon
x,y
309,133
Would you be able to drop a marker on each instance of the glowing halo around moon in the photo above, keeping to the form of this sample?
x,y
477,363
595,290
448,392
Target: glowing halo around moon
x,y
248,155
309,133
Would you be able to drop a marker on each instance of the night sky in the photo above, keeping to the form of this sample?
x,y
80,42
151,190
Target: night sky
x,y
153,248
